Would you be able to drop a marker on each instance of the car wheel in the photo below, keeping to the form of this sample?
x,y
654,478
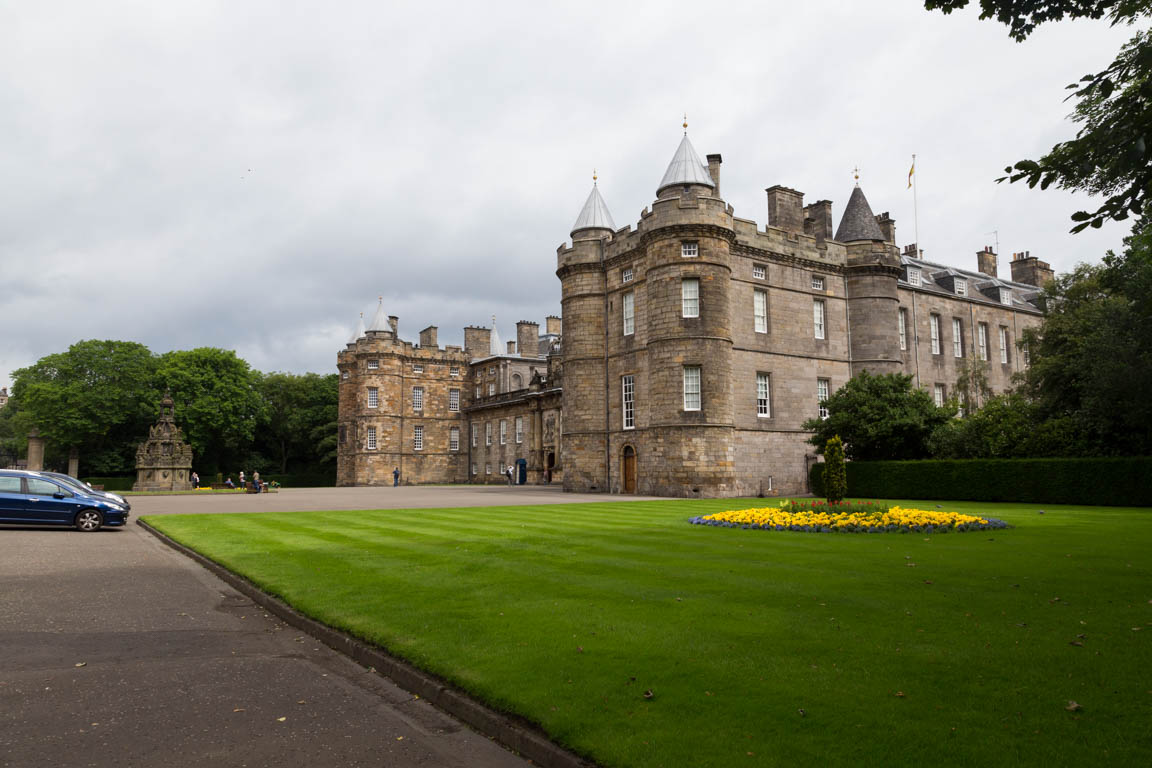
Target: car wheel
x,y
89,520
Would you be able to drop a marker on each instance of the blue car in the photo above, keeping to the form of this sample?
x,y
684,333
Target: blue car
x,y
33,499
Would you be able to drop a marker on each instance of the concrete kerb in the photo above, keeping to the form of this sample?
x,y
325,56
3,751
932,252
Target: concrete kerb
x,y
518,736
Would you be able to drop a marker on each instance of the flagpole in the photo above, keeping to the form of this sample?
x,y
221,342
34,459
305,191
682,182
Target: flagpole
x,y
915,209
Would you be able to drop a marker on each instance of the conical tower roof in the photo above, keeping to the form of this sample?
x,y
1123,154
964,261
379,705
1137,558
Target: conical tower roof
x,y
380,319
858,222
685,168
494,342
359,330
594,214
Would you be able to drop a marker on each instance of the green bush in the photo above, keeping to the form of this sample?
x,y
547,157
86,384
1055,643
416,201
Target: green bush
x,y
111,483
302,479
1090,481
816,478
835,479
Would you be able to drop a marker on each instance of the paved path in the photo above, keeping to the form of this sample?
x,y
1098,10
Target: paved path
x,y
117,651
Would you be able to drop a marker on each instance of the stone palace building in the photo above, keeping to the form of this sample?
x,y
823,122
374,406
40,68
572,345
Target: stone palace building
x,y
693,347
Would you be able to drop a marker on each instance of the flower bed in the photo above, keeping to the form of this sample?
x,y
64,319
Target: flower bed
x,y
845,517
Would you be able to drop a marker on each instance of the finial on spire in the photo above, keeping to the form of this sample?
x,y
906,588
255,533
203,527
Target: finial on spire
x,y
593,175
685,123
856,175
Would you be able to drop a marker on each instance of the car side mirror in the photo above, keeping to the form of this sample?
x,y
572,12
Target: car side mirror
x,y
59,495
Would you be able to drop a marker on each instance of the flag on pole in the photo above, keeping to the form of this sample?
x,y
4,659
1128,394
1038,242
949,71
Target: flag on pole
x,y
911,171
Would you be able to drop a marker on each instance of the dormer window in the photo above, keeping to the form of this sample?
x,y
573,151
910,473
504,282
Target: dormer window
x,y
1006,297
689,249
961,287
626,275
913,276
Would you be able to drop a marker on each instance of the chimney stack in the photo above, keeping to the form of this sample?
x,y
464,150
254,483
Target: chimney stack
x,y
785,208
1029,270
511,347
986,261
887,227
477,341
714,171
428,337
528,338
818,220
553,325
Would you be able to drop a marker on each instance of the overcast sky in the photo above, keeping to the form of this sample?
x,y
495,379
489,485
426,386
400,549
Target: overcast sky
x,y
252,175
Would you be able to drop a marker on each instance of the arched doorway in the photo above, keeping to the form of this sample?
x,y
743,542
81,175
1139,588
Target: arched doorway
x,y
629,469
521,471
549,465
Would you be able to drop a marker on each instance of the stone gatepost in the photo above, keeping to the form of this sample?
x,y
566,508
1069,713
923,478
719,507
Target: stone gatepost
x,y
35,450
74,462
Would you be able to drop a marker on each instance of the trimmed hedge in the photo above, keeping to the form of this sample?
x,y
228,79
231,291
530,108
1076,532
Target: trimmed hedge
x,y
112,483
1122,482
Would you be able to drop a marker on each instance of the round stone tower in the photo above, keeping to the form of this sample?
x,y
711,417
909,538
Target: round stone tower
x,y
581,271
688,448
872,271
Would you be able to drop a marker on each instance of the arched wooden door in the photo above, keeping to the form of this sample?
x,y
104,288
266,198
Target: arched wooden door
x,y
629,469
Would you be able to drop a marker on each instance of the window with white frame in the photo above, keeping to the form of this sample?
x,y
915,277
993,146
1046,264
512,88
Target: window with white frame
x,y
488,469
934,325
491,370
760,311
453,399
982,339
961,286
913,276
629,304
454,439
476,393
957,337
344,375
690,297
475,434
491,388
519,429
417,438
417,398
1004,345
759,272
628,395
626,275
487,433
373,397
818,318
417,368
822,388
473,467
454,370
902,319
371,439
763,396
373,365
503,432
691,387
689,249
1006,296
938,395
817,283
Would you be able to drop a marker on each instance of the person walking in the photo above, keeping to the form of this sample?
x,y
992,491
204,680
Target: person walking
x,y
396,477
195,481
256,481
510,475
242,479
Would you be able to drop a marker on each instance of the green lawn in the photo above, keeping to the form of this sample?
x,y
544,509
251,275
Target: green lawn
x,y
760,647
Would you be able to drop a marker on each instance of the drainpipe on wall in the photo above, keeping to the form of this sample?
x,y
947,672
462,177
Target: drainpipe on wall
x,y
915,339
607,416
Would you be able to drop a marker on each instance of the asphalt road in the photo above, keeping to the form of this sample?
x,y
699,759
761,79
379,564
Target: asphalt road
x,y
117,651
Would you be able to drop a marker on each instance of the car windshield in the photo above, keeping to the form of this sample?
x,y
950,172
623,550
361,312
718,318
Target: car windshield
x,y
69,481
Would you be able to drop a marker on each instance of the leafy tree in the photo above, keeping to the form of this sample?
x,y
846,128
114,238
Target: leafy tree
x,y
1091,360
1111,153
97,397
297,407
879,417
971,387
835,473
218,404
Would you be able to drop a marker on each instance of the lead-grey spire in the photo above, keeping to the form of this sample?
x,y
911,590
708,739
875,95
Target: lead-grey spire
x,y
685,168
594,214
858,222
359,334
379,320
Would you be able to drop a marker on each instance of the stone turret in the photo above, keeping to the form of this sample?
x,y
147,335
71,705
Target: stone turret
x,y
871,275
1026,268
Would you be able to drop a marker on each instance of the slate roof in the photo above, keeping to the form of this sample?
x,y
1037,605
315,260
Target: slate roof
x,y
858,222
685,168
933,276
380,319
594,214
